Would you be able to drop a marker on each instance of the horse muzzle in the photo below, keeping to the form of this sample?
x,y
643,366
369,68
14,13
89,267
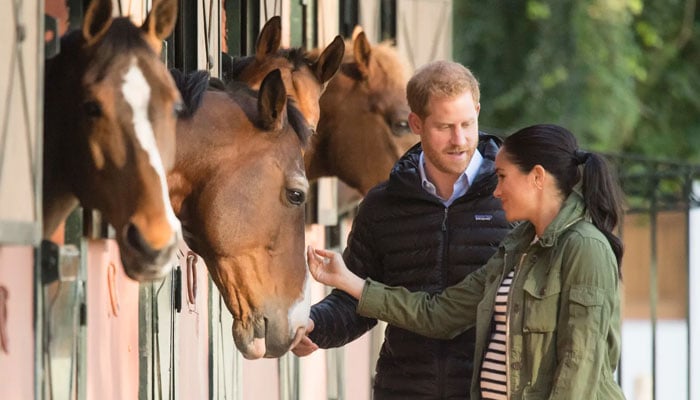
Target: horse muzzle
x,y
141,261
260,339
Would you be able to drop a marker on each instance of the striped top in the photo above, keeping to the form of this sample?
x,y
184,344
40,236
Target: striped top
x,y
493,376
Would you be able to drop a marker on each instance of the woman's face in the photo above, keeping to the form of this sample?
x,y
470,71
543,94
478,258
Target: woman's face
x,y
515,189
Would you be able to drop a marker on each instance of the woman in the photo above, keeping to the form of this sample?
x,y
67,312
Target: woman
x,y
546,306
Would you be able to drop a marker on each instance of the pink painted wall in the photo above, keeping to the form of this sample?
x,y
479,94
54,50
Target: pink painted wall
x,y
17,362
112,335
193,335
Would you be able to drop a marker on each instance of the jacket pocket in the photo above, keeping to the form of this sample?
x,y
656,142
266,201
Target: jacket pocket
x,y
585,306
541,308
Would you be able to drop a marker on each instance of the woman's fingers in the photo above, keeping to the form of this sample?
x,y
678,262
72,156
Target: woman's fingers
x,y
325,253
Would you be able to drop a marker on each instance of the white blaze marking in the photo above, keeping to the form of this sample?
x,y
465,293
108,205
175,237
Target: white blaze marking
x,y
299,312
137,93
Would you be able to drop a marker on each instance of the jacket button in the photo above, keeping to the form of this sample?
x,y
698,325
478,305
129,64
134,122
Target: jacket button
x,y
516,365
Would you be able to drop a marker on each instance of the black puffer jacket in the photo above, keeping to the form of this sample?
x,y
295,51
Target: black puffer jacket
x,y
404,236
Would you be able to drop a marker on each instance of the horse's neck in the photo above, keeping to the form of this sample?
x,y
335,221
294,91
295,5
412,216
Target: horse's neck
x,y
58,199
57,205
315,163
179,189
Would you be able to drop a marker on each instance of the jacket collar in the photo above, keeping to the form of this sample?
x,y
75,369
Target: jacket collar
x,y
572,211
405,172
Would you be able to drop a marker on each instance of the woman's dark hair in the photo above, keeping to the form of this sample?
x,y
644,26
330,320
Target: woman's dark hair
x,y
556,150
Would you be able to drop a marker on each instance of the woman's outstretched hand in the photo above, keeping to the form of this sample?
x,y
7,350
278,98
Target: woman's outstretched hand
x,y
329,268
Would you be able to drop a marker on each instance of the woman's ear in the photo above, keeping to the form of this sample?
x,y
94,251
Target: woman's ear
x,y
539,176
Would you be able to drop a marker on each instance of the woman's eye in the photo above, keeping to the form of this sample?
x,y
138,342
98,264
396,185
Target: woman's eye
x,y
296,197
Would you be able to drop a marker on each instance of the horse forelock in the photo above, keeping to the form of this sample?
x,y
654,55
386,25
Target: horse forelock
x,y
298,122
122,39
296,56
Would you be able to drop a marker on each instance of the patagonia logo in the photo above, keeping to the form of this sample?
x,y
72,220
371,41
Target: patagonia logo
x,y
483,217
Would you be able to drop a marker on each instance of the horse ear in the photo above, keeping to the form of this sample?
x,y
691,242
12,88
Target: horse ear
x,y
269,39
328,63
362,51
272,97
160,22
98,18
356,31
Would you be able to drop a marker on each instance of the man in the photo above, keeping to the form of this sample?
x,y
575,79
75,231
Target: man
x,y
432,223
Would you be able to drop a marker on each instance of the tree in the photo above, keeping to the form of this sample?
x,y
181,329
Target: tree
x,y
620,74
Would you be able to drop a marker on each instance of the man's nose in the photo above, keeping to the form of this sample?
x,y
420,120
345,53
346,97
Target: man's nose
x,y
459,136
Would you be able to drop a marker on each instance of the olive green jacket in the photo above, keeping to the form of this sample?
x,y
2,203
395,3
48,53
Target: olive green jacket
x,y
563,310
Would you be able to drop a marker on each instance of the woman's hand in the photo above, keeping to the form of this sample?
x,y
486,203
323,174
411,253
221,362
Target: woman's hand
x,y
329,268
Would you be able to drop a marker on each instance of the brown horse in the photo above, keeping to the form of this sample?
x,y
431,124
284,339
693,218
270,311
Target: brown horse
x,y
303,77
109,133
239,188
363,129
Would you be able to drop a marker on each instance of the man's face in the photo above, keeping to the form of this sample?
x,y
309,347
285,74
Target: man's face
x,y
449,135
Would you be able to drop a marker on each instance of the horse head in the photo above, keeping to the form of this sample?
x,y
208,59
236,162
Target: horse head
x,y
363,128
304,79
109,133
239,188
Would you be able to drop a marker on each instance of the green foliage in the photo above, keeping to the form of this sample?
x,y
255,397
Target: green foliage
x,y
622,74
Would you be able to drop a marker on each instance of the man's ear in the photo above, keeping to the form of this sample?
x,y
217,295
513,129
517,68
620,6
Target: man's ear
x,y
415,122
478,108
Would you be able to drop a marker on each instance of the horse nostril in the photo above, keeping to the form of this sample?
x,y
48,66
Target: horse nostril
x,y
136,240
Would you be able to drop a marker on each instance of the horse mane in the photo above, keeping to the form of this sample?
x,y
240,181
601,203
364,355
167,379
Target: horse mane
x,y
192,87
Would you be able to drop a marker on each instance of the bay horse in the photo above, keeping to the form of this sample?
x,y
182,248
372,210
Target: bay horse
x,y
109,133
239,187
304,77
363,128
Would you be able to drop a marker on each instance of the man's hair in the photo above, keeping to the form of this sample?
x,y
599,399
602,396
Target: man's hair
x,y
441,79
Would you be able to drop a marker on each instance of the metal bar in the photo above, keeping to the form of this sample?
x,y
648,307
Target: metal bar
x,y
688,194
653,297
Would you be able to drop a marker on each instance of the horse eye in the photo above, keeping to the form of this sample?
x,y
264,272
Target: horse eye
x,y
92,108
296,197
400,127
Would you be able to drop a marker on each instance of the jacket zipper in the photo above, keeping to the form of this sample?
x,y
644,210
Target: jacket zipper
x,y
441,346
508,304
444,220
